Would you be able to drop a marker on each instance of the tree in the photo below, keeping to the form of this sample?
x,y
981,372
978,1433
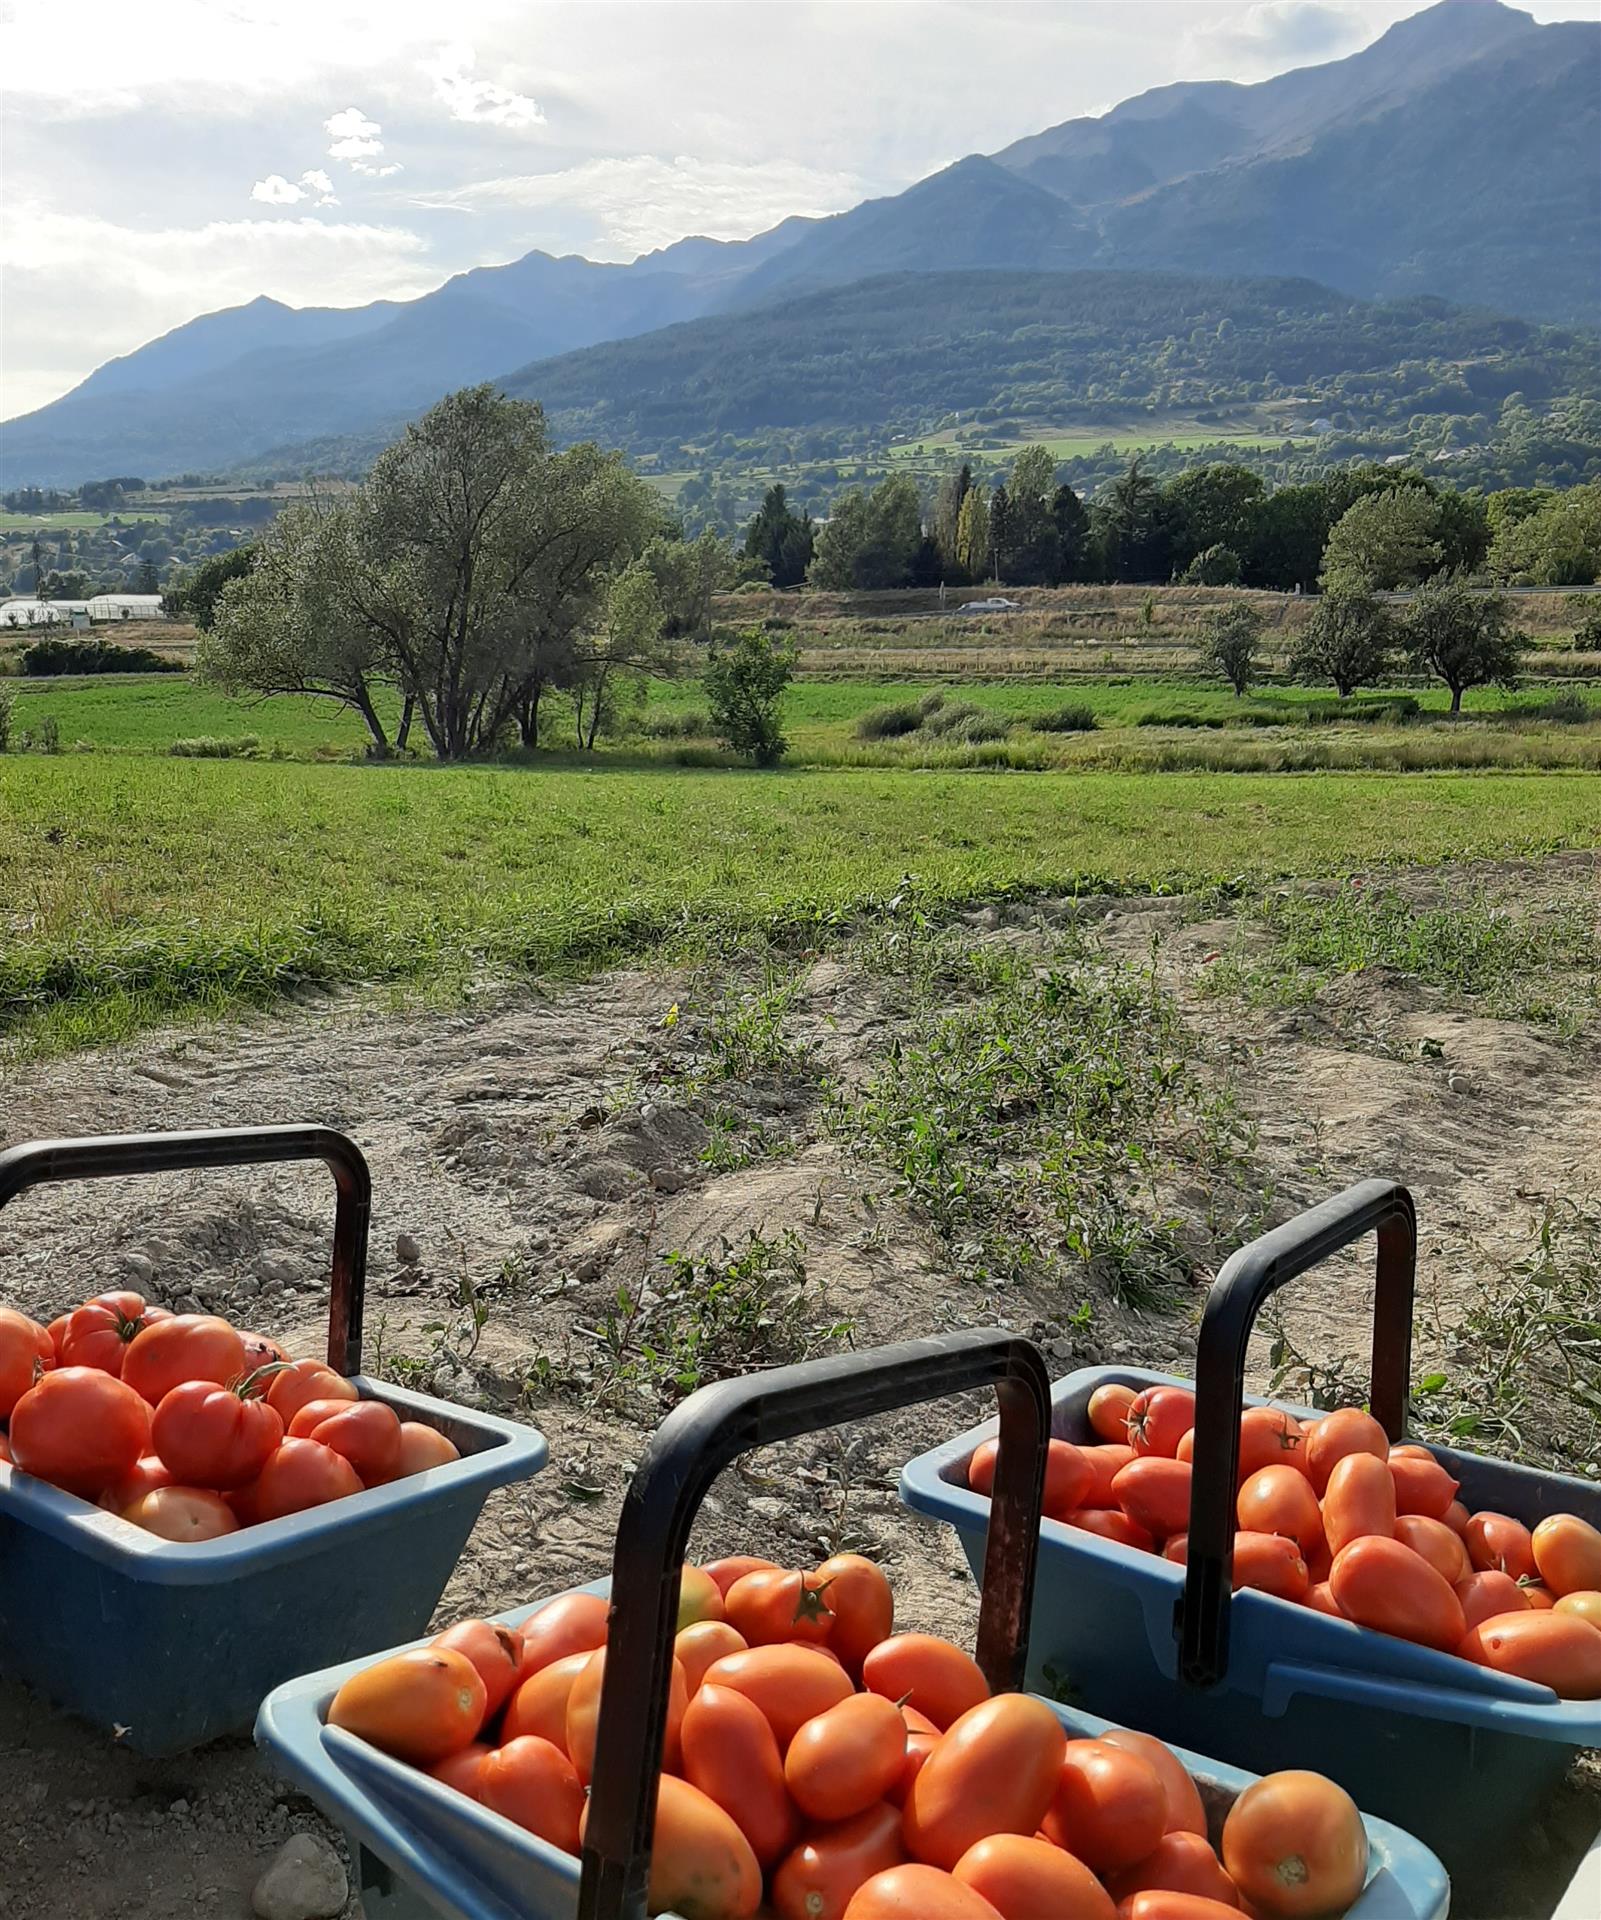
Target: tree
x,y
948,503
1556,544
1384,540
973,535
1289,533
1029,555
1213,567
1071,521
781,538
1464,638
194,595
870,539
688,574
147,580
1229,641
1213,506
1131,527
744,685
629,640
1003,533
1348,639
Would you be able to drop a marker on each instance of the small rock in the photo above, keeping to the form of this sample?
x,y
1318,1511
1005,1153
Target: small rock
x,y
305,1882
178,1809
141,1266
669,1179
407,1251
276,1268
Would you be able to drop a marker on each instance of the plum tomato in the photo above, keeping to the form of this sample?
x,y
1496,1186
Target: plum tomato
x,y
1295,1846
1281,1500
571,1623
1155,1494
1567,1554
1022,1874
1385,1585
769,1608
996,1771
539,1704
1422,1486
532,1783
790,1684
496,1652
926,1672
818,1878
1435,1541
1270,1437
1497,1543
1270,1563
1556,1650
1110,1807
1484,1595
863,1606
182,1514
1346,1431
421,1706
1185,1811
1159,1418
697,1647
1358,1501
730,1753
1178,1863
1108,1411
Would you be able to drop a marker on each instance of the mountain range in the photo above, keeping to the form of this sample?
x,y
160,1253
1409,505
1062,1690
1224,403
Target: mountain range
x,y
1455,157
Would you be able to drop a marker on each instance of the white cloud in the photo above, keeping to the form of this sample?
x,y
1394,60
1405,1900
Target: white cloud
x,y
1279,33
314,185
481,101
146,282
353,135
642,202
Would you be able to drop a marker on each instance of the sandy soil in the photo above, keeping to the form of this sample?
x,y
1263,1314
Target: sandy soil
x,y
543,1148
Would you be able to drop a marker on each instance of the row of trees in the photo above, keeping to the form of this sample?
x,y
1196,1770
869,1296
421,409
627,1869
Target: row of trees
x,y
1213,525
1353,639
475,570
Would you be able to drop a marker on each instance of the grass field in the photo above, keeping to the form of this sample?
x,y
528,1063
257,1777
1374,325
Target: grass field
x,y
1079,442
140,889
48,522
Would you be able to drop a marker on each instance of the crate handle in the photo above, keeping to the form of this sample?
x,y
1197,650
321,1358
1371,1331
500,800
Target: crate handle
x,y
41,1162
691,1447
1201,1622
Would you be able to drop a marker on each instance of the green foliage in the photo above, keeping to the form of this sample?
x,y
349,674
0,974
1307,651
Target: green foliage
x,y
1229,641
47,658
8,707
1384,540
1464,638
871,539
206,748
744,686
1072,718
1215,566
782,540
1349,639
194,594
1556,543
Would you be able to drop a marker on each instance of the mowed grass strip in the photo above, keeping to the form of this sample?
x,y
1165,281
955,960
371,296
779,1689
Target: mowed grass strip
x,y
141,890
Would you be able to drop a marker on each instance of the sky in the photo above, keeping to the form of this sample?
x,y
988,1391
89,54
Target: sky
x,y
163,160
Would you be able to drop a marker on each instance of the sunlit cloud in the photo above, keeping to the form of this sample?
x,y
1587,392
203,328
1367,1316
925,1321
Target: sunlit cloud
x,y
481,101
313,185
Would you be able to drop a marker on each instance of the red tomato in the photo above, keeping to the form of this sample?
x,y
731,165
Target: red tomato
x,y
1270,1563
1161,1904
1456,1517
1110,1807
365,1432
1021,1876
1185,1813
1556,1650
186,1346
183,1514
57,1331
1155,1494
844,1760
539,1703
928,1673
817,1880
862,1604
5,1451
1281,1500
79,1428
1538,1598
1178,1863
260,1351
730,1752
302,1381
99,1333
1336,1435
1113,1524
1497,1543
26,1353
213,1436
421,1706
1270,1437
790,1684
1359,1501
996,1771
463,1771
532,1783
1435,1541
1385,1585
301,1474
769,1608
1109,1409
573,1623
726,1572
496,1652
697,1647
1105,1464
916,1892
1567,1554
700,1863
699,1596
1321,1600
147,1474
422,1447
583,1715
1422,1486
1159,1419
1185,1450
1484,1595
1177,1549
1582,1605
1294,1845
1067,1474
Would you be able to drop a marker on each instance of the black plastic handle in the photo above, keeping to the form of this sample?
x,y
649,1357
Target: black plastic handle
x,y
1249,1276
39,1162
691,1447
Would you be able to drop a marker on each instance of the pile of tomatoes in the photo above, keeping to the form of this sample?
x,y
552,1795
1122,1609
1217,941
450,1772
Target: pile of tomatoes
x,y
1331,1516
819,1761
187,1427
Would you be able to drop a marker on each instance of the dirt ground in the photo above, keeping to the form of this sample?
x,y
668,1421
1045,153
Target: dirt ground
x,y
545,1148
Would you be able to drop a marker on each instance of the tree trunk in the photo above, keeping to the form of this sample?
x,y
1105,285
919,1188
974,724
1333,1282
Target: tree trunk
x,y
1456,699
364,706
403,732
528,715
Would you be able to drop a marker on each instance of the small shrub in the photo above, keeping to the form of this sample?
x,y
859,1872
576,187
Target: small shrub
x,y
744,685
46,658
45,737
1068,719
7,709
1179,717
1587,630
1569,708
693,723
1395,711
206,748
888,723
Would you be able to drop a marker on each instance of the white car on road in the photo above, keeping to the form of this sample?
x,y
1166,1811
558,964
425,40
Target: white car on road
x,y
997,604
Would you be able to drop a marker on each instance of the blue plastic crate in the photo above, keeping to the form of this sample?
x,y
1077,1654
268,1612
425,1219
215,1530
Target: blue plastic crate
x,y
1455,1753
425,1850
178,1644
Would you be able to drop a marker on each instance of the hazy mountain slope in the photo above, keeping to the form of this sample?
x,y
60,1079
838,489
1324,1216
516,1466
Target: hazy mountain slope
x,y
1484,186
